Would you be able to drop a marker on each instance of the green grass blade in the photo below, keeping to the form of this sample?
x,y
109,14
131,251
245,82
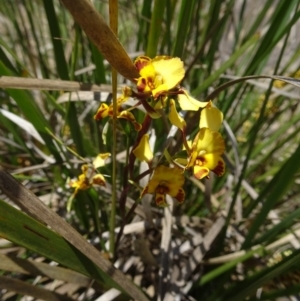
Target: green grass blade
x,y
185,16
98,60
144,22
225,66
155,27
248,287
278,28
258,20
273,193
286,223
27,232
72,114
61,64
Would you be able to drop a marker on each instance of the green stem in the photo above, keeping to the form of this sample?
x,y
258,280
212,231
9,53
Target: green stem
x,y
113,6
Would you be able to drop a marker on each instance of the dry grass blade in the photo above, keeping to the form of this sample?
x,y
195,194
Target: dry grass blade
x,y
24,288
18,265
25,199
102,36
49,84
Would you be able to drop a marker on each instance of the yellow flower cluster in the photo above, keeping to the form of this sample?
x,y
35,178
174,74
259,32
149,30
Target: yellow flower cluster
x,y
159,79
158,90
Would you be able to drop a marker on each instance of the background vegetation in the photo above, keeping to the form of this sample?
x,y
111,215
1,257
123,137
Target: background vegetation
x,y
234,238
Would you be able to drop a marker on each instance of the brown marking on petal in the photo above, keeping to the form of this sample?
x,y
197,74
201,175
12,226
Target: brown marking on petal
x,y
111,111
142,84
200,161
130,117
200,173
160,201
98,115
220,169
99,180
180,196
162,189
102,112
141,62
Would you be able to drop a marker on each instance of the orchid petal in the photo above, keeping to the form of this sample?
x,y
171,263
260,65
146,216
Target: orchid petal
x,y
100,160
188,103
200,172
98,179
143,151
102,112
207,141
166,180
130,117
171,70
175,118
211,117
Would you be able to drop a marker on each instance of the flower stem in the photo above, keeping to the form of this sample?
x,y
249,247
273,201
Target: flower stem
x,y
114,167
113,12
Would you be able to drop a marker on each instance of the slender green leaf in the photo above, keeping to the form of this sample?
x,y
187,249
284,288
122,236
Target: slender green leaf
x,y
185,15
155,27
27,232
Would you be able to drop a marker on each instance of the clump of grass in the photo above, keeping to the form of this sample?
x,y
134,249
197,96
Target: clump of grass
x,y
234,237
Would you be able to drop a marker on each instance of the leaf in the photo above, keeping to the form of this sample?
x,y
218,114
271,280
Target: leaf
x,y
32,112
49,84
23,124
24,288
34,268
25,227
272,193
155,27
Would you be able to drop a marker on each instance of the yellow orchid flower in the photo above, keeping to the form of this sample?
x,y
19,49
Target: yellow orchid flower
x,y
158,75
207,148
166,180
105,110
89,176
86,180
143,151
211,117
205,154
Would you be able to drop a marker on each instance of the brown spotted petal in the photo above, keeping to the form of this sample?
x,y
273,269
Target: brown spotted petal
x,y
130,117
